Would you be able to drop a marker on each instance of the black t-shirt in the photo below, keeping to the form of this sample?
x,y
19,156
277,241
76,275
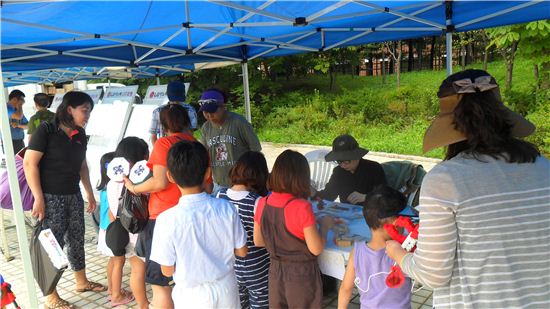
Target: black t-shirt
x,y
367,176
63,156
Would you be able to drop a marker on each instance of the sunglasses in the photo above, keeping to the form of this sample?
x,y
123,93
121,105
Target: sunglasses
x,y
343,161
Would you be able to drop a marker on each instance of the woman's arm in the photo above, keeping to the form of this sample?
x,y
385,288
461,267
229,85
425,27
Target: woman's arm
x,y
258,237
85,178
346,288
156,183
433,260
32,174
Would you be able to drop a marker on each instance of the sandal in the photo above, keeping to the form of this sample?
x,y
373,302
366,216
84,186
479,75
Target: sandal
x,y
59,304
92,287
128,298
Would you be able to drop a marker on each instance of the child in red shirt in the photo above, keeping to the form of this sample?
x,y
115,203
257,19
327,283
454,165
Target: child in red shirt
x,y
285,224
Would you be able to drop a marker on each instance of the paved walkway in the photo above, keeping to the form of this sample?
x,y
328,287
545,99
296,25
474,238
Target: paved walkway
x,y
96,263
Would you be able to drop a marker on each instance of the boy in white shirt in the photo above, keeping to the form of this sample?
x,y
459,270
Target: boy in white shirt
x,y
196,241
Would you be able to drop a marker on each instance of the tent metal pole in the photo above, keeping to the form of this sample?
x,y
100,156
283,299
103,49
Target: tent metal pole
x,y
226,29
400,14
244,66
449,48
385,25
372,12
486,17
16,200
449,36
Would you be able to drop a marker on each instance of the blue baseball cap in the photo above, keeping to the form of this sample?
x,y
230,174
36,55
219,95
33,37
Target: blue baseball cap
x,y
176,91
210,100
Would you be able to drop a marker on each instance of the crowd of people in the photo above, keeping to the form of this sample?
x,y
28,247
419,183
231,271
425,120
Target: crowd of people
x,y
224,232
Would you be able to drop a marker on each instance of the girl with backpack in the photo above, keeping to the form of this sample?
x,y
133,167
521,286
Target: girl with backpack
x,y
120,243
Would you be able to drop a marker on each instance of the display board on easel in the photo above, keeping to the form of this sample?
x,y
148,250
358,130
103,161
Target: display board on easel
x,y
57,99
122,94
107,124
95,94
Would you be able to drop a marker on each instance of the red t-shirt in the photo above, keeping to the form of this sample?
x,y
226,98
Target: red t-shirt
x,y
298,213
169,197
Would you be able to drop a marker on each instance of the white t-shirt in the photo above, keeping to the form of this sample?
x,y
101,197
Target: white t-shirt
x,y
199,236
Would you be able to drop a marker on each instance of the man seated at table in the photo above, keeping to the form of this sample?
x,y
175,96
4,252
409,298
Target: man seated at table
x,y
354,176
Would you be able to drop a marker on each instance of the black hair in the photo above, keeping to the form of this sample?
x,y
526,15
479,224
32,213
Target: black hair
x,y
187,163
73,99
41,99
381,203
133,149
174,118
251,170
103,162
483,119
16,94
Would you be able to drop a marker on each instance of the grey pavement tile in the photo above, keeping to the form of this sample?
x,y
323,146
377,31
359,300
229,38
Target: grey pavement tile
x,y
418,299
415,305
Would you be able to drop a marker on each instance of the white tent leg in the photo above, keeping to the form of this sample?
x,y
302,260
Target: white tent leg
x,y
449,48
244,67
16,200
158,80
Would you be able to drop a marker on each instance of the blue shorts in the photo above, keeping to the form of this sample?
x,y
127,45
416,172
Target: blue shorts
x,y
153,274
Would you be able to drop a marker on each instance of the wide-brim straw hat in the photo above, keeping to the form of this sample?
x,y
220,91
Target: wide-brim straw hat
x,y
442,131
344,148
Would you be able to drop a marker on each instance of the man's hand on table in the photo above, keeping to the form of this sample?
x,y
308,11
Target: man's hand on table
x,y
356,197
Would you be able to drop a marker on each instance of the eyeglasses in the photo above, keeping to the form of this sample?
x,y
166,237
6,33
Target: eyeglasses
x,y
343,161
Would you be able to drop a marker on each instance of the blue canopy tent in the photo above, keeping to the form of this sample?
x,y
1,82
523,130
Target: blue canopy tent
x,y
45,35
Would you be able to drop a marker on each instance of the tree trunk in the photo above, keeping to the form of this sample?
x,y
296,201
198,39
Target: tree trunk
x,y
472,50
432,53
420,51
410,64
370,65
463,57
485,58
545,78
398,66
332,77
510,65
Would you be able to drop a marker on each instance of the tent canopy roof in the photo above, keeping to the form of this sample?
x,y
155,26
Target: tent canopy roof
x,y
38,35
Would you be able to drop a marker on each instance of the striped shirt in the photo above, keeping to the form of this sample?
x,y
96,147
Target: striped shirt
x,y
254,267
484,237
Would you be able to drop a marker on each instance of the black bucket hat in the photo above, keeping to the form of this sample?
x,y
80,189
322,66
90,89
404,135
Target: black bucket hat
x,y
345,147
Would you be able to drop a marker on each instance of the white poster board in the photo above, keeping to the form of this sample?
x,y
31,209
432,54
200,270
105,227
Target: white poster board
x,y
140,121
95,94
57,99
156,95
120,94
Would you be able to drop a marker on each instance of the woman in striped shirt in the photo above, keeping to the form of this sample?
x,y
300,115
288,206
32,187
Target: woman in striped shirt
x,y
248,178
484,237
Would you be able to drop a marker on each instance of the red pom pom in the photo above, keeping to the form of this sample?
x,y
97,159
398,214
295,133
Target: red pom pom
x,y
396,278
